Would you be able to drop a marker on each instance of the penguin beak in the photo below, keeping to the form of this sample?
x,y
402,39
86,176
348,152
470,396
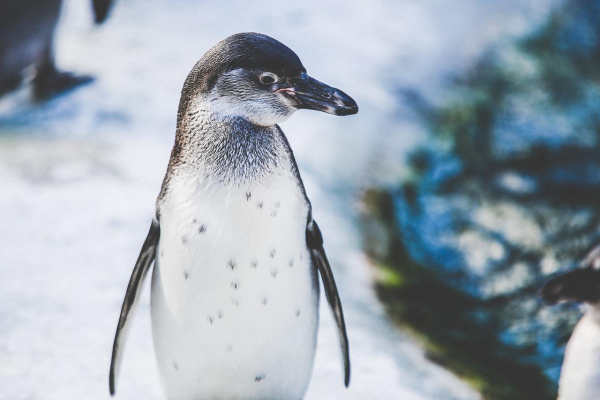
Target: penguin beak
x,y
580,285
309,93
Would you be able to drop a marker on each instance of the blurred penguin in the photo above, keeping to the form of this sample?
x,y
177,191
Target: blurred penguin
x,y
580,374
26,34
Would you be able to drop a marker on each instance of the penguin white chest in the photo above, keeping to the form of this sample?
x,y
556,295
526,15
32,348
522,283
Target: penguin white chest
x,y
234,294
580,374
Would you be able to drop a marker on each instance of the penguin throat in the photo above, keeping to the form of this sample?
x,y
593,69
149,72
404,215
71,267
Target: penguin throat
x,y
228,148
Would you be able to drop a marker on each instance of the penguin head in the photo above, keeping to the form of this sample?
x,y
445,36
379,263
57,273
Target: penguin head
x,y
580,285
253,76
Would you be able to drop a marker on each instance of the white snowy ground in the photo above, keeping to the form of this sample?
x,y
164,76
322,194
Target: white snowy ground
x,y
79,175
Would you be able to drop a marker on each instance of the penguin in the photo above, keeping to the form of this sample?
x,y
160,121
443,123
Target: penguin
x,y
580,373
26,34
236,250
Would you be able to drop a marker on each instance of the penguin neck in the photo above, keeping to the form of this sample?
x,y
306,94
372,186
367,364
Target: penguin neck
x,y
225,147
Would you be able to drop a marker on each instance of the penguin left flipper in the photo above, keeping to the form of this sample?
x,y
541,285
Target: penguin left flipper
x,y
314,240
134,288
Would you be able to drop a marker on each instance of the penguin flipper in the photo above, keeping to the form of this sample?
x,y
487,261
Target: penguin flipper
x,y
134,288
314,240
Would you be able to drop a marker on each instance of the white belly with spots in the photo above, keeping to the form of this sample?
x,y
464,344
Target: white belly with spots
x,y
234,295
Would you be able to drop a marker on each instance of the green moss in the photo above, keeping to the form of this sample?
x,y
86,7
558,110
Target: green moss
x,y
390,277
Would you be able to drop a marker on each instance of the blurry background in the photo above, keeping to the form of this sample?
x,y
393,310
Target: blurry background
x,y
471,172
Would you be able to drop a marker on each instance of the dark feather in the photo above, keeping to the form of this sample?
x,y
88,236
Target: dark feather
x,y
314,240
247,50
134,288
101,9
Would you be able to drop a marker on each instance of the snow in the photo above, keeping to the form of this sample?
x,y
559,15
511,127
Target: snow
x,y
79,176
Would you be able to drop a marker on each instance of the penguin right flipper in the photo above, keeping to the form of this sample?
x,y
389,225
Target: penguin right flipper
x,y
314,240
134,288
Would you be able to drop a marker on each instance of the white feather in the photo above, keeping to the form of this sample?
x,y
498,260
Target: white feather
x,y
580,374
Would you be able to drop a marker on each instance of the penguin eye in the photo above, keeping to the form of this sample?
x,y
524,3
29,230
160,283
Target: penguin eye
x,y
267,78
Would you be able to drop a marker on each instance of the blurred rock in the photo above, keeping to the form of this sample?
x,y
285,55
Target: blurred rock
x,y
506,194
